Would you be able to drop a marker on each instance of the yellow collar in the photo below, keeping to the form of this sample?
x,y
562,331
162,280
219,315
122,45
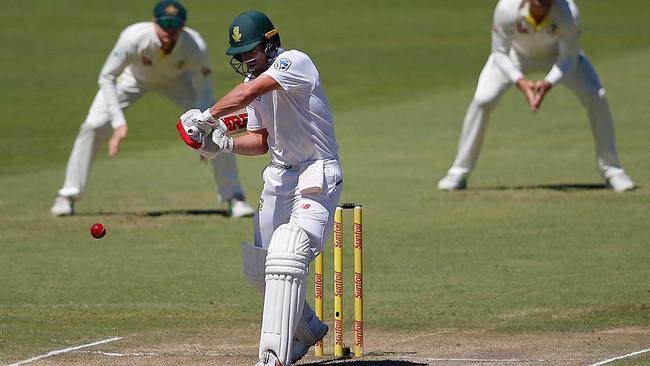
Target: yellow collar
x,y
534,23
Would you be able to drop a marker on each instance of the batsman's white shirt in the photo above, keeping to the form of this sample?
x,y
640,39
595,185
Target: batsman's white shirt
x,y
517,38
304,151
139,63
298,118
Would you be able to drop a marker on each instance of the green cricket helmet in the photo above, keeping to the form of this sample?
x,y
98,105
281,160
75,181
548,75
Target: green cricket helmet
x,y
247,31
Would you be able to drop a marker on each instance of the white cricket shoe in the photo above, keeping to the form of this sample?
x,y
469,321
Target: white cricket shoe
x,y
452,182
268,359
63,206
240,208
620,182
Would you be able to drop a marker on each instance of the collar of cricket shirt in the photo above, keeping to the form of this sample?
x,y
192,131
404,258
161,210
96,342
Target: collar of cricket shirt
x,y
530,19
533,22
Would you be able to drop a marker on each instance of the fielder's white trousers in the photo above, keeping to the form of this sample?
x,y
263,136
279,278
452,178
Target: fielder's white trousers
x,y
582,80
97,128
281,203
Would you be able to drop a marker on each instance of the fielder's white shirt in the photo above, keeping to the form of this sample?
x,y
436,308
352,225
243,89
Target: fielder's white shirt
x,y
298,117
517,37
137,57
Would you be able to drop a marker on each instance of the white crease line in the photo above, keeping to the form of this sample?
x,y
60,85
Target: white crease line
x,y
620,357
65,350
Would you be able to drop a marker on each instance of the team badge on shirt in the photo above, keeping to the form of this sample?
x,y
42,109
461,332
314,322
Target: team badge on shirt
x,y
282,64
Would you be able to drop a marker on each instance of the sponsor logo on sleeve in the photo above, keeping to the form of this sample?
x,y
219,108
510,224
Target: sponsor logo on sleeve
x,y
282,64
146,61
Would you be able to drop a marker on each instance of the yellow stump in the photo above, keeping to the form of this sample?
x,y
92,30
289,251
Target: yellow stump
x,y
358,281
318,298
338,282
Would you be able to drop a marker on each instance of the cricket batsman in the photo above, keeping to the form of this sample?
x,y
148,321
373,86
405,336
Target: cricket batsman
x,y
289,116
537,35
161,56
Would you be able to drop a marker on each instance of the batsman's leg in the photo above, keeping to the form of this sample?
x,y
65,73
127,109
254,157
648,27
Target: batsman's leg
x,y
309,329
492,83
287,265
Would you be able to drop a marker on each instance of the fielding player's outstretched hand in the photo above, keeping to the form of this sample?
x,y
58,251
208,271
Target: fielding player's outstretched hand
x,y
541,88
114,143
528,89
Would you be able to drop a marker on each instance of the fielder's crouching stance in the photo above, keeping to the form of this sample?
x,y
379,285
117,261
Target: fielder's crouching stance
x,y
537,35
288,115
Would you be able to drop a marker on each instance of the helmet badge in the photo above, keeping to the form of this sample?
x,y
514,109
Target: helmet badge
x,y
236,36
171,10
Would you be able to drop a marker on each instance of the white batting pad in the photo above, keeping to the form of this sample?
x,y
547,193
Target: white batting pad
x,y
254,259
287,264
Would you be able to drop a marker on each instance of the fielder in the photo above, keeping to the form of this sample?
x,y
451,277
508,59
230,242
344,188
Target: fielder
x,y
162,56
537,35
289,115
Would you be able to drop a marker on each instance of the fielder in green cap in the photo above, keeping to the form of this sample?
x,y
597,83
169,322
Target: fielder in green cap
x,y
289,117
161,56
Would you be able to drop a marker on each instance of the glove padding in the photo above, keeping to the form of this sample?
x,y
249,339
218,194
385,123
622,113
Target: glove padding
x,y
216,142
197,124
200,131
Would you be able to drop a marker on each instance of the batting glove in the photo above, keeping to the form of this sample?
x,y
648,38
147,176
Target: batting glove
x,y
221,139
197,124
215,143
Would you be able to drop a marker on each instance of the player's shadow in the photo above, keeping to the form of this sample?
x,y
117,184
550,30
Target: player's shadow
x,y
560,187
352,361
365,363
160,213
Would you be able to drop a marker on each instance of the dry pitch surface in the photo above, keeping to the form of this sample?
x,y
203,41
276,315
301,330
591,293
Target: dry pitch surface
x,y
442,347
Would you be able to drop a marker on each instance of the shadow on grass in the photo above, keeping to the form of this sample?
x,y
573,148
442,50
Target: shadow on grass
x,y
365,363
560,187
224,213
357,362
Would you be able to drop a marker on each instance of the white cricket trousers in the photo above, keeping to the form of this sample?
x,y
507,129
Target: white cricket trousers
x,y
97,128
281,203
582,80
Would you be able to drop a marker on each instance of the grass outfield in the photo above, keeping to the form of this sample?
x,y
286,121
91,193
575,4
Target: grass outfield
x,y
522,250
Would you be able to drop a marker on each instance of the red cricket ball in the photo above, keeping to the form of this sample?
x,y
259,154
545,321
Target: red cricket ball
x,y
97,231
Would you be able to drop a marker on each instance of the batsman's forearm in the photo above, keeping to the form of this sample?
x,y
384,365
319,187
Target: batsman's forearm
x,y
238,98
250,144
